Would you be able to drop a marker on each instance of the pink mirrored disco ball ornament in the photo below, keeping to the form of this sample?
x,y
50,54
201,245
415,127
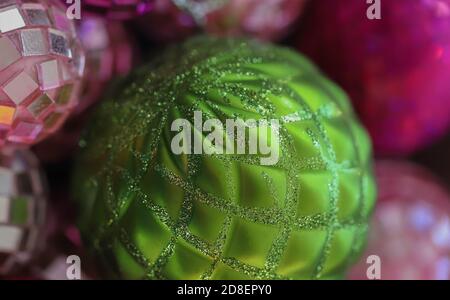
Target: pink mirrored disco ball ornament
x,y
110,53
22,208
41,64
119,9
410,231
396,69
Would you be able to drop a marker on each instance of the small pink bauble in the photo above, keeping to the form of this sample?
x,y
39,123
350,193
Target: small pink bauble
x,y
396,69
410,232
109,53
41,64
119,9
23,205
266,19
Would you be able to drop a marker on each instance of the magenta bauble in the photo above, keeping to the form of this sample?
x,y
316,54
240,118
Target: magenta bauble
x,y
396,69
41,64
410,232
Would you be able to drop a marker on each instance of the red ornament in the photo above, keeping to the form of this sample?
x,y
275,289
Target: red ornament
x,y
396,69
410,232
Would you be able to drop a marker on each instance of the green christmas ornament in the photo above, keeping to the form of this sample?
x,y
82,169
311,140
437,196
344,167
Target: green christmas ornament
x,y
169,189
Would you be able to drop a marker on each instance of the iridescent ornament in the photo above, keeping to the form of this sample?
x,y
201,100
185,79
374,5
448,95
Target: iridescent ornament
x,y
41,64
411,227
119,9
150,213
396,69
22,208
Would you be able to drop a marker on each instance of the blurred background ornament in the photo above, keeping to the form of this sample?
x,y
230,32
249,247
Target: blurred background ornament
x,y
22,208
172,20
110,52
267,19
396,69
166,22
41,65
119,9
410,231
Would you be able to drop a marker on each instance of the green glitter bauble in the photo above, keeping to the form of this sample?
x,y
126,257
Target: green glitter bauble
x,y
148,213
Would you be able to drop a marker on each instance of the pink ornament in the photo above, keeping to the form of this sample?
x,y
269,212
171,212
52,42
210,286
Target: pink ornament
x,y
119,9
41,64
410,231
396,69
109,53
171,20
267,19
22,208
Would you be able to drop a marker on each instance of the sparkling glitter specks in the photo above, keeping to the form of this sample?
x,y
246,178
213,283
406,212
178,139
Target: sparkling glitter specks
x,y
41,65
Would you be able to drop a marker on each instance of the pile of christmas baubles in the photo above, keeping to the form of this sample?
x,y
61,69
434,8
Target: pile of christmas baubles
x,y
224,139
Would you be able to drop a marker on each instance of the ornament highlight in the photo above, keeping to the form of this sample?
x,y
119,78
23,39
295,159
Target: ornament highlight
x,y
41,64
22,208
149,213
